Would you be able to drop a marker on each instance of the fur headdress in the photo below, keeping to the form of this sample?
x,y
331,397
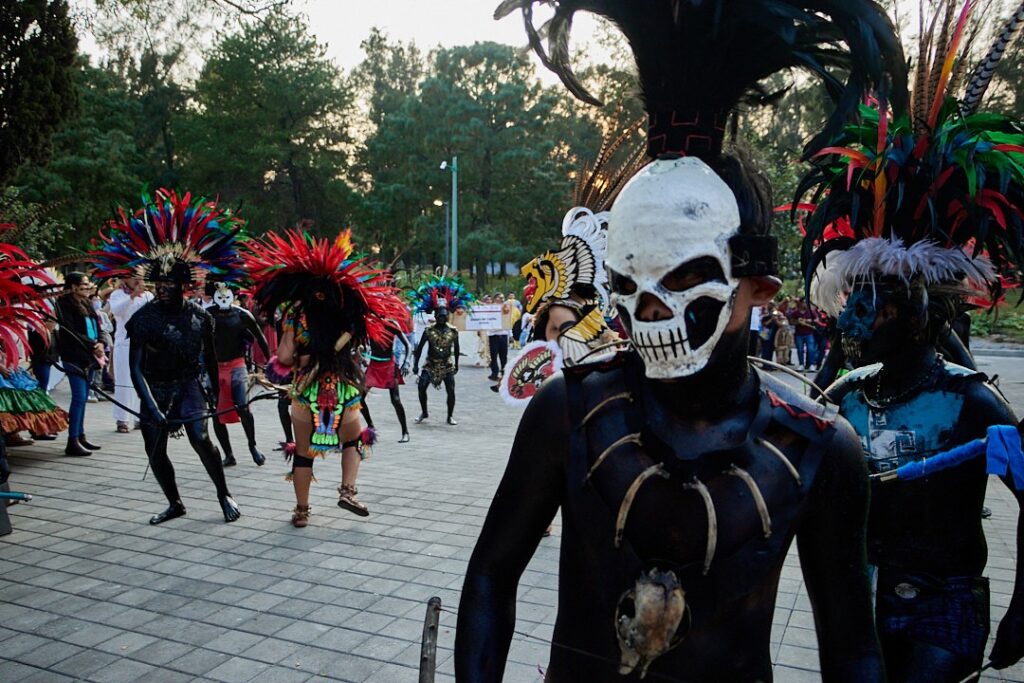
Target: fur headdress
x,y
171,237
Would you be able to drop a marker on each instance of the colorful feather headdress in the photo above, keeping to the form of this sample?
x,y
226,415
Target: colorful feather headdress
x,y
578,263
296,269
171,236
24,287
440,291
936,191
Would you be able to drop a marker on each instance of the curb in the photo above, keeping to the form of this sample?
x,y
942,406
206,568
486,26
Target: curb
x,y
1003,353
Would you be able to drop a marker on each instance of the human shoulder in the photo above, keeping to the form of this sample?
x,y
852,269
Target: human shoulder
x,y
983,402
547,410
851,381
144,321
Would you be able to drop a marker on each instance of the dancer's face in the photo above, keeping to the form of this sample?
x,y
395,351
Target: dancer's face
x,y
169,292
877,325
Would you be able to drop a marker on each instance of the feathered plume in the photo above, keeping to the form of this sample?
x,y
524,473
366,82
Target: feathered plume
x,y
24,287
599,183
440,290
298,270
984,72
171,233
698,58
952,180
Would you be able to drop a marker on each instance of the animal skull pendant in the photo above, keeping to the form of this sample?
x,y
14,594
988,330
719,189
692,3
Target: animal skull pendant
x,y
658,606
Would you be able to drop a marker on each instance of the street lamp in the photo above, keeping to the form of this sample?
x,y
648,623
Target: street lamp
x,y
447,235
454,168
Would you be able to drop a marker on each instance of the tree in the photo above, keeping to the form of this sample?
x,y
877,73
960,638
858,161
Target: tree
x,y
37,92
95,160
484,104
269,127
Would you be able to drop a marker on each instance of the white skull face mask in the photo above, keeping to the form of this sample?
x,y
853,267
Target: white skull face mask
x,y
670,226
223,297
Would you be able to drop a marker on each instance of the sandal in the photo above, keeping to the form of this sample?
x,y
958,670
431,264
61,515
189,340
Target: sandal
x,y
347,499
300,516
122,428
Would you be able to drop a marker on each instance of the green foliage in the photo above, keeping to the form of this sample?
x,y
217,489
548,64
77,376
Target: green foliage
x,y
1005,321
483,104
36,228
37,93
95,163
269,128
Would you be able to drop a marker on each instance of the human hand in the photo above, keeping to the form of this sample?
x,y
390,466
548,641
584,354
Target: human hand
x,y
456,371
157,417
1009,647
97,350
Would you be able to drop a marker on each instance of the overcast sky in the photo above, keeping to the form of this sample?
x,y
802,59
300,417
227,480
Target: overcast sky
x,y
343,24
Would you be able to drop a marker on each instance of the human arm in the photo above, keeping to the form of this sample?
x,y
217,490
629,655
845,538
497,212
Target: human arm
x,y
417,352
286,347
455,350
210,358
526,499
136,354
254,329
983,407
404,341
833,556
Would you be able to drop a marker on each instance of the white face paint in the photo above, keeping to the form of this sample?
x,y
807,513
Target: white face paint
x,y
670,213
223,297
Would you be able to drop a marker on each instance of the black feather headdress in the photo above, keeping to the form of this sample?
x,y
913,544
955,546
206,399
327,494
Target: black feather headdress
x,y
697,59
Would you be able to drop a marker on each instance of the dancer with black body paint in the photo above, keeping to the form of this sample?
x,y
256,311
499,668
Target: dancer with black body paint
x,y
233,328
684,474
897,285
171,340
440,296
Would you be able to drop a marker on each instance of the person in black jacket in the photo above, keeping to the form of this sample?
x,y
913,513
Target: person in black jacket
x,y
78,342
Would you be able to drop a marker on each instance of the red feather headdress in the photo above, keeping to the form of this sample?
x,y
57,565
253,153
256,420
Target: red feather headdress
x,y
289,268
22,299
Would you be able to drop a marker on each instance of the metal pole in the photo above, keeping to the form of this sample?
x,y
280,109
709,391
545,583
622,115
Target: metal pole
x,y
428,650
447,233
455,213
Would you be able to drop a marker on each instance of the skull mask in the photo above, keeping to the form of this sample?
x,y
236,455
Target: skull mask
x,y
675,215
224,298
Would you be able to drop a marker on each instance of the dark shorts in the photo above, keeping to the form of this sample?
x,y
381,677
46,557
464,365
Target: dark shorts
x,y
177,400
951,613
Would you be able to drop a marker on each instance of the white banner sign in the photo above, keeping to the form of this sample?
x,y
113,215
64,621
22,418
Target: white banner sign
x,y
484,317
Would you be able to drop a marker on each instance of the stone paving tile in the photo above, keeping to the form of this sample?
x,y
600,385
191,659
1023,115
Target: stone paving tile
x,y
89,590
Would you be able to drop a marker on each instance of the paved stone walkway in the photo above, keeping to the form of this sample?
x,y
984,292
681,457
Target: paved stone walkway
x,y
90,591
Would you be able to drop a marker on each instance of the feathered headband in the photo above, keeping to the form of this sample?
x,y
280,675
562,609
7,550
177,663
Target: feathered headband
x,y
941,175
440,291
296,267
171,237
23,306
579,260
